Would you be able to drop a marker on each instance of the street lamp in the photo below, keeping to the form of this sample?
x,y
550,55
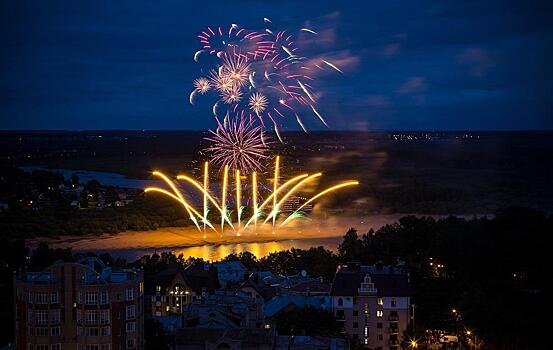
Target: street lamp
x,y
414,344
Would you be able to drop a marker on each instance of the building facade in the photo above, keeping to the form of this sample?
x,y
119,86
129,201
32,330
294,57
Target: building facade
x,y
79,306
372,303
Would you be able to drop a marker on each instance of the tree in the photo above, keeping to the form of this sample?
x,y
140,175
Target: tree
x,y
155,336
350,248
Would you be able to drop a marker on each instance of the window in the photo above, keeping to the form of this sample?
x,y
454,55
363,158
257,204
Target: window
x,y
340,314
31,332
80,297
55,316
366,331
92,331
30,315
104,299
105,347
41,316
131,326
42,331
130,343
92,347
104,316
41,347
105,331
56,347
91,317
379,325
130,293
31,347
91,298
355,325
30,300
340,302
394,302
54,298
56,331
131,310
379,313
380,337
41,298
79,316
366,341
380,301
366,308
355,313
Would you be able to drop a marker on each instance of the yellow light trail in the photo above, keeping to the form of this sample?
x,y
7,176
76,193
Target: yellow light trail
x,y
224,198
206,179
273,213
330,189
284,191
275,207
238,195
254,197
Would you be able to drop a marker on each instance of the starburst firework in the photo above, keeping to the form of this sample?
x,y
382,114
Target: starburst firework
x,y
238,145
258,102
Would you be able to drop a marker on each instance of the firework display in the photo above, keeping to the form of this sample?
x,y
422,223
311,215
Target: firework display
x,y
238,145
258,75
262,210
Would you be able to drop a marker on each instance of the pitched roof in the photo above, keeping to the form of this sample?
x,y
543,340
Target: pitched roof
x,y
387,281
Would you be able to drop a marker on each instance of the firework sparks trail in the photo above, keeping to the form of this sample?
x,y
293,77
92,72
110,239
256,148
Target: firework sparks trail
x,y
261,74
259,210
238,145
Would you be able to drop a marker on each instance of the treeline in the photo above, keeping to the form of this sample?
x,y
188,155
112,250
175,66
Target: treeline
x,y
141,215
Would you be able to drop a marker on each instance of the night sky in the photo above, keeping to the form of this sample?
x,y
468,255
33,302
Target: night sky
x,y
408,65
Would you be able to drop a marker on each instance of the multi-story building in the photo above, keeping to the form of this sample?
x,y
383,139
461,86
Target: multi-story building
x,y
79,306
172,289
372,303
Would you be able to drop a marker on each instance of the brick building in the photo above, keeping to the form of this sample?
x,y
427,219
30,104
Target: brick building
x,y
79,306
372,303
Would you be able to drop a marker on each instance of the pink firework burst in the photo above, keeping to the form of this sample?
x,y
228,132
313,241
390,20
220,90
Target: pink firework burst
x,y
238,144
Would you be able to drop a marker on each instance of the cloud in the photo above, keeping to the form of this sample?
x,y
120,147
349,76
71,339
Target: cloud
x,y
477,60
390,50
413,85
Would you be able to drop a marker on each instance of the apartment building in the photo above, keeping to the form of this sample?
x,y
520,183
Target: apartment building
x,y
372,303
79,306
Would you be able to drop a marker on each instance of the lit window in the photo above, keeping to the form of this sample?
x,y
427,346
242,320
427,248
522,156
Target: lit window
x,y
366,331
131,326
130,344
379,313
380,301
394,302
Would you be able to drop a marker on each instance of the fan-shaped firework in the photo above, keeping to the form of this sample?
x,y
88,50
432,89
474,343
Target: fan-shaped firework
x,y
238,144
260,74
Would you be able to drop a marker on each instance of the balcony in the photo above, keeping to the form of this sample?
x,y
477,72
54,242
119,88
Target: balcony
x,y
393,330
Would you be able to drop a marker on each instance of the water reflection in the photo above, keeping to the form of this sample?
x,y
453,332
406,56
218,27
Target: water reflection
x,y
219,251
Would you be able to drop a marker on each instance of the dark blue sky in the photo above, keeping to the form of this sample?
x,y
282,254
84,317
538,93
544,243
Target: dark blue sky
x,y
430,64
